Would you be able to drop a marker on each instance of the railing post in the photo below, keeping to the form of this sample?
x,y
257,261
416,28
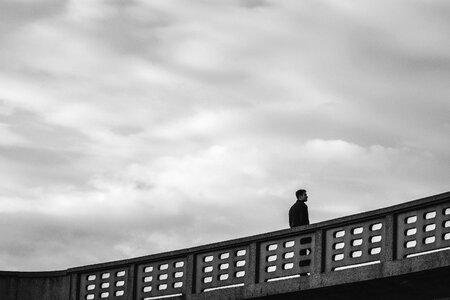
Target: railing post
x,y
390,244
132,279
190,276
253,266
319,252
73,286
14,287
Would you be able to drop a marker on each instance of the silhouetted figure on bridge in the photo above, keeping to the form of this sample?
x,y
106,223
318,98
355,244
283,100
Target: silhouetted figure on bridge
x,y
298,214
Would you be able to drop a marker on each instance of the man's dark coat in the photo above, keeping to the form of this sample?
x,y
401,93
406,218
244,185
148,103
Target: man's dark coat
x,y
298,214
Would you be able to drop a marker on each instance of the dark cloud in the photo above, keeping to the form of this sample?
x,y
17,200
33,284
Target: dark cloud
x,y
254,3
18,14
132,30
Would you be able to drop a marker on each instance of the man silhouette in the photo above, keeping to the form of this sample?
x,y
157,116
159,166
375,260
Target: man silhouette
x,y
298,214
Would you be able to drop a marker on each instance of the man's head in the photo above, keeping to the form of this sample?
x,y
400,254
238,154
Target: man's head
x,y
301,195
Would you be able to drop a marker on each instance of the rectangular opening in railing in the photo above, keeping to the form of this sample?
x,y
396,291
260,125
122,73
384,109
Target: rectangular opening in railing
x,y
286,258
354,245
222,269
108,284
423,230
165,278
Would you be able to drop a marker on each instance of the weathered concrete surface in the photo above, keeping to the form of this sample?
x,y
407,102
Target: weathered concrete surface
x,y
425,285
424,277
8,287
419,286
34,286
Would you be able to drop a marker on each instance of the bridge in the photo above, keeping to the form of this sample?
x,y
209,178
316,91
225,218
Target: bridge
x,y
399,252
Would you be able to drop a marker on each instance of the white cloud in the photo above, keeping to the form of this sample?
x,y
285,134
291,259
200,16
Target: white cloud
x,y
171,121
8,137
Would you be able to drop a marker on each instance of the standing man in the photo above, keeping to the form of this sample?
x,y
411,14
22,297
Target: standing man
x,y
298,214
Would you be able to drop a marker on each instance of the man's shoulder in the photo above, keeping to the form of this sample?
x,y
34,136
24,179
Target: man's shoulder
x,y
293,206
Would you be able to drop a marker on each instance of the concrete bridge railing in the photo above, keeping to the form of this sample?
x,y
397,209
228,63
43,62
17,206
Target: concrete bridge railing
x,y
308,257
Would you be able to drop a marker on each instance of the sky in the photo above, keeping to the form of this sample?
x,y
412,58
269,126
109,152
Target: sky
x,y
134,127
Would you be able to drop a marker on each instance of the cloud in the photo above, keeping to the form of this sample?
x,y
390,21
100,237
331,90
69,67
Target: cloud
x,y
129,128
8,137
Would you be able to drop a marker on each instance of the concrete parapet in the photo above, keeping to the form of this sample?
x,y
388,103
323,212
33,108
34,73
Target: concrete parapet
x,y
34,286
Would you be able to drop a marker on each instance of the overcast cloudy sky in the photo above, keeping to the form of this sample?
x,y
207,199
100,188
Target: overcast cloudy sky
x,y
133,127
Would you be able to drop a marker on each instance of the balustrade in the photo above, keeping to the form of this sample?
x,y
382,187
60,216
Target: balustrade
x,y
423,230
105,284
161,278
222,268
287,257
354,244
396,233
